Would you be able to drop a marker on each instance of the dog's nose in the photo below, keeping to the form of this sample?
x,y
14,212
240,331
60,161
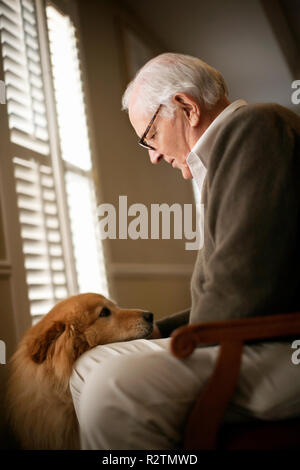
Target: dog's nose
x,y
148,316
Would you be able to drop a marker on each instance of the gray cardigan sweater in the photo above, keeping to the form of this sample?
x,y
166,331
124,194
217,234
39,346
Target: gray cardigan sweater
x,y
250,262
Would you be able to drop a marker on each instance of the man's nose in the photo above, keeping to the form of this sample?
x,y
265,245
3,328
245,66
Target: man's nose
x,y
155,156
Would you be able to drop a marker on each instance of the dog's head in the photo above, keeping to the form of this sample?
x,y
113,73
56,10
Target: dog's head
x,y
81,322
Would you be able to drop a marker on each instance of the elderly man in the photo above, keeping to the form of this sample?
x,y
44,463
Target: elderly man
x,y
136,395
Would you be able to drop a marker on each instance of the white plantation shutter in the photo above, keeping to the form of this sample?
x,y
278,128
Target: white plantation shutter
x,y
75,152
69,98
88,257
23,75
36,196
42,248
61,246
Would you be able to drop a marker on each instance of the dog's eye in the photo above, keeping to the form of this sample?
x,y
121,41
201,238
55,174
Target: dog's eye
x,y
105,312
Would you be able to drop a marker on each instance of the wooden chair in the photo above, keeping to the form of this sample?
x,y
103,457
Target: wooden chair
x,y
205,429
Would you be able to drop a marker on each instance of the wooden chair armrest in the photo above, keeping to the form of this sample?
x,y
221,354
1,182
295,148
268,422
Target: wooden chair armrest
x,y
186,338
206,416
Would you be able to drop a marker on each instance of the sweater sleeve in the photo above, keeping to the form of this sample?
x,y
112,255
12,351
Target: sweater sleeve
x,y
252,218
168,324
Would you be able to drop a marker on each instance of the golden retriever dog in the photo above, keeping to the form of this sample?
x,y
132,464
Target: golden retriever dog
x,y
39,401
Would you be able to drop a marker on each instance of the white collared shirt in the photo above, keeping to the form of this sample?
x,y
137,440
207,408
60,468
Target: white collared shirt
x,y
204,144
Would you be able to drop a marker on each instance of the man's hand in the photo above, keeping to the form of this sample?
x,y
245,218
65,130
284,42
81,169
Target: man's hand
x,y
155,333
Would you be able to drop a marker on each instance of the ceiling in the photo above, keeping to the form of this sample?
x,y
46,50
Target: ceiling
x,y
254,44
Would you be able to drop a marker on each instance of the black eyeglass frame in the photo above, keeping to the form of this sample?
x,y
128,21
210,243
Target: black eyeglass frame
x,y
141,140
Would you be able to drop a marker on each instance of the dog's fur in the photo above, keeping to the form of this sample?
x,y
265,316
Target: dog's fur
x,y
39,401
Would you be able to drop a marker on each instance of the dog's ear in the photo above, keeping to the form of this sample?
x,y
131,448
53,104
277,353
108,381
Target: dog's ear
x,y
79,343
39,348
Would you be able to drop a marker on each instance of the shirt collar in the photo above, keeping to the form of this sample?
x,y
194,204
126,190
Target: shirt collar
x,y
202,148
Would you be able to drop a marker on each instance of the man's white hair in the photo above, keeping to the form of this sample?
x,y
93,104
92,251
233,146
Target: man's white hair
x,y
169,73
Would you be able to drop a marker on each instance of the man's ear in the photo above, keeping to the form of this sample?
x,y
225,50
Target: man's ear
x,y
189,106
38,349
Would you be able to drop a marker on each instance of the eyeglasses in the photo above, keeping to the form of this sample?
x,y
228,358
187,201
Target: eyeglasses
x,y
142,139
